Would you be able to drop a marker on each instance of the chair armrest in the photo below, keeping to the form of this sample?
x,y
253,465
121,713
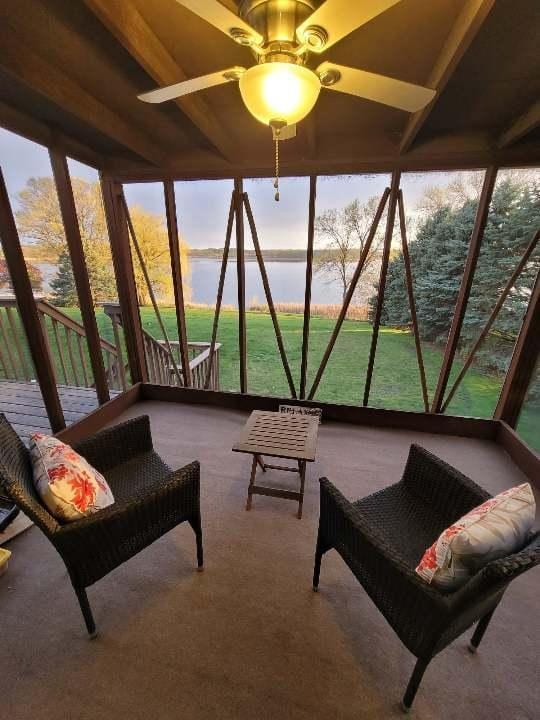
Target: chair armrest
x,y
511,566
451,493
344,527
117,444
497,574
178,496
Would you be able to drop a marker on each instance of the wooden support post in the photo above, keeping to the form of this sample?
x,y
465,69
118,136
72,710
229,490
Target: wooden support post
x,y
178,284
493,316
219,297
125,279
148,282
28,312
80,271
394,189
522,364
412,304
268,294
241,274
350,292
465,289
309,278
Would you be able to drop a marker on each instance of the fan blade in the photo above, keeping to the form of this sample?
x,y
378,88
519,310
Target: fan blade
x,y
379,88
223,19
338,18
171,92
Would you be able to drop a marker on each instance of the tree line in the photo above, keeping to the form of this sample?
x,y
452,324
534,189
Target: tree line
x,y
438,253
40,226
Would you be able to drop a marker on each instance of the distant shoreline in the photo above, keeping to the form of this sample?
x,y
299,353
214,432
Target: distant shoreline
x,y
272,255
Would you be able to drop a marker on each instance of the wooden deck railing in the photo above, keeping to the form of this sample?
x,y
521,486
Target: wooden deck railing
x,y
161,363
199,360
67,347
69,352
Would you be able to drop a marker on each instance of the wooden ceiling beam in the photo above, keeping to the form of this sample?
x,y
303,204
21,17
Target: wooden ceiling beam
x,y
22,124
128,26
457,151
525,124
463,32
21,62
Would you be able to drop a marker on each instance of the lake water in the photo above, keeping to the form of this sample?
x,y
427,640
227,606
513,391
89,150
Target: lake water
x,y
287,283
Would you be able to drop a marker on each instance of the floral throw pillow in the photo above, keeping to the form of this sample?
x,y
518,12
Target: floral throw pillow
x,y
492,530
67,484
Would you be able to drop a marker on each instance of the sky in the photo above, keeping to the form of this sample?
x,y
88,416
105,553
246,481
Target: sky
x,y
203,206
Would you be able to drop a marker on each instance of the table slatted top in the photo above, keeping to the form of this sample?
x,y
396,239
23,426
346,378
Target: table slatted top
x,y
279,435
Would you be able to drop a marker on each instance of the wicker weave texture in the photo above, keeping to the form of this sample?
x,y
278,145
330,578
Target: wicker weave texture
x,y
150,498
383,536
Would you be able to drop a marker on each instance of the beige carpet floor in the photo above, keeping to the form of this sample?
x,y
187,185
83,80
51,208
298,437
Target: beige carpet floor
x,y
248,639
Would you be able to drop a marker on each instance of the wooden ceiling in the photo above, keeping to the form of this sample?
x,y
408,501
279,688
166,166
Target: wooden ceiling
x,y
70,72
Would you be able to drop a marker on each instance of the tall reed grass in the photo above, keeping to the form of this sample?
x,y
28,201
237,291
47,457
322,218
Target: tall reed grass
x,y
356,312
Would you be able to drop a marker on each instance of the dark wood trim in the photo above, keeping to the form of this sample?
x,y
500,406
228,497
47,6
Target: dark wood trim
x,y
524,124
475,243
527,460
178,283
37,342
221,285
493,316
129,27
523,362
309,279
357,415
350,293
20,60
468,23
125,279
68,210
268,294
464,150
241,275
412,304
392,203
101,417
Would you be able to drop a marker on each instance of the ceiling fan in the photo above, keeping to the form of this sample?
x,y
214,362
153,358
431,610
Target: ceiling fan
x,y
282,88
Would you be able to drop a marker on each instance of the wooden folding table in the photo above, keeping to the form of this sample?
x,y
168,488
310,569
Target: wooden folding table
x,y
292,437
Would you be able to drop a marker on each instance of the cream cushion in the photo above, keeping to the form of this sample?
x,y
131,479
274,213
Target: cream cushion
x,y
67,484
498,527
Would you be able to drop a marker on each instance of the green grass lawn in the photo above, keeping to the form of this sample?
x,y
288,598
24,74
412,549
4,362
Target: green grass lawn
x,y
395,382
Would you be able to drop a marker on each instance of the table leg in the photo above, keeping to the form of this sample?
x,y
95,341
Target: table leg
x,y
251,482
302,470
261,462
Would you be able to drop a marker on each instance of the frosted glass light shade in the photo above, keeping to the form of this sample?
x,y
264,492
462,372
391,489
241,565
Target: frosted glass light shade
x,y
279,91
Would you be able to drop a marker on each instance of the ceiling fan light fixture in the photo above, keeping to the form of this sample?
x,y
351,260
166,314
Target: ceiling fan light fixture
x,y
242,38
315,37
279,91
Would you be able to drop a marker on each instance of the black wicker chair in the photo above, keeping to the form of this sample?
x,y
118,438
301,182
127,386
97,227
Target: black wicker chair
x,y
382,538
150,499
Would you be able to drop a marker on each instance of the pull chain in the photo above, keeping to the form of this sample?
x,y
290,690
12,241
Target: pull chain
x,y
276,181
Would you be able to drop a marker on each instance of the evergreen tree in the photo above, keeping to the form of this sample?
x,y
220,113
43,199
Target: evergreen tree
x,y
63,285
438,255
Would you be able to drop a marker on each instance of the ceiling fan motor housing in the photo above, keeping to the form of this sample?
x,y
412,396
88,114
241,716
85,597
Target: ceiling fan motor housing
x,y
277,20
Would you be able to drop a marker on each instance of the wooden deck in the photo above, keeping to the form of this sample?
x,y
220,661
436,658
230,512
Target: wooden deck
x,y
22,404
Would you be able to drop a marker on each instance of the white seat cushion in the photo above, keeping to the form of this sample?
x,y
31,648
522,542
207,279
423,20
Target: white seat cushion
x,y
498,527
67,484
